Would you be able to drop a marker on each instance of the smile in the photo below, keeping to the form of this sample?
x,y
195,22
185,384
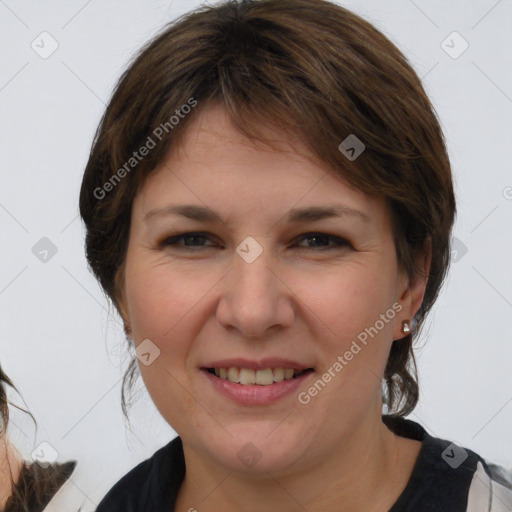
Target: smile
x,y
255,386
249,376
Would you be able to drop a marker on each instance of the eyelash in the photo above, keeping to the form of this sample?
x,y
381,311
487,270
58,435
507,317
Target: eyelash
x,y
173,240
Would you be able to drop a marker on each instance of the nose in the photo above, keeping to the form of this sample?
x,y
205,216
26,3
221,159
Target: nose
x,y
255,298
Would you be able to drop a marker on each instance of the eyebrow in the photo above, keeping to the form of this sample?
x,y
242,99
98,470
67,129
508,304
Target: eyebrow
x,y
295,215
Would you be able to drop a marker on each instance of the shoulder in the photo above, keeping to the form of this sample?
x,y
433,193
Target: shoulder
x,y
490,489
151,485
448,477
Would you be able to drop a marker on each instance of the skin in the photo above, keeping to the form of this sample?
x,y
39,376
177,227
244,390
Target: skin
x,y
297,300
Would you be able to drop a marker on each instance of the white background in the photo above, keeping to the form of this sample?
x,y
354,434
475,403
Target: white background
x,y
62,344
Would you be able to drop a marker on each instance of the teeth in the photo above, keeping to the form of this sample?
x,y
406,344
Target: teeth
x,y
264,377
248,376
233,374
278,374
288,373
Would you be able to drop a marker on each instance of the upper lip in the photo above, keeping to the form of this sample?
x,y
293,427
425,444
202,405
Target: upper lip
x,y
256,365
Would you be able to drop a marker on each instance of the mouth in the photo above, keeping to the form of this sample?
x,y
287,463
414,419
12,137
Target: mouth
x,y
259,377
250,382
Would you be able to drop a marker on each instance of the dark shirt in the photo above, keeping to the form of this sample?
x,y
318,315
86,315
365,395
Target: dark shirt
x,y
445,478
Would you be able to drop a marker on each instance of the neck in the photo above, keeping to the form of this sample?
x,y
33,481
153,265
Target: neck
x,y
367,473
10,468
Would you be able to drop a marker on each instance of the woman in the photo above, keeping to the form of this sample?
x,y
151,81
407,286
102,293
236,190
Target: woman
x,y
268,203
27,487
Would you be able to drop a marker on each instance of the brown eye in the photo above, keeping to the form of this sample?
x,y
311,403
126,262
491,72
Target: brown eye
x,y
324,241
186,240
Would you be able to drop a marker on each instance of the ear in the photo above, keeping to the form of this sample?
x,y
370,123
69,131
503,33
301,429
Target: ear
x,y
412,289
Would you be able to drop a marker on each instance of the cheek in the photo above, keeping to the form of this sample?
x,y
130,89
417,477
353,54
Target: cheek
x,y
160,297
160,303
349,306
348,301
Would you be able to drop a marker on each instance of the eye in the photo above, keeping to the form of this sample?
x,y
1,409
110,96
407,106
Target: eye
x,y
189,240
321,240
193,240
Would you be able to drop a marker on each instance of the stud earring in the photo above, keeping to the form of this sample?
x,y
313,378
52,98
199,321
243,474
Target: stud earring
x,y
405,327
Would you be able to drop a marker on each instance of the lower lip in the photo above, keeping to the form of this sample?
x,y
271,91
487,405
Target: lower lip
x,y
253,394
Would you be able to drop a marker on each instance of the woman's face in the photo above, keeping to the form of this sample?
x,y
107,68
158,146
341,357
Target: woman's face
x,y
257,291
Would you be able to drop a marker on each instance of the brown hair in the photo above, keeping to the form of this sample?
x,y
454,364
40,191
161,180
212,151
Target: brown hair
x,y
309,68
4,403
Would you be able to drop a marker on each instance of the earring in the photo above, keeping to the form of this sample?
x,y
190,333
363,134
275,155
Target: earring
x,y
405,327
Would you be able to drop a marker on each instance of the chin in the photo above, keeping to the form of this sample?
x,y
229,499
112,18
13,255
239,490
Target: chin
x,y
259,451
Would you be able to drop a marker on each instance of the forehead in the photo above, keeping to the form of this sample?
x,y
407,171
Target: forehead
x,y
212,136
218,167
